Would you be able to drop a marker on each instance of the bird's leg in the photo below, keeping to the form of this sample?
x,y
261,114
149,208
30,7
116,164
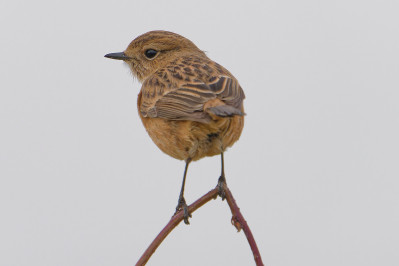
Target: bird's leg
x,y
222,180
182,202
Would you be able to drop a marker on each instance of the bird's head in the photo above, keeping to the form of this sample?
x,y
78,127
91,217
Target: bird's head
x,y
153,50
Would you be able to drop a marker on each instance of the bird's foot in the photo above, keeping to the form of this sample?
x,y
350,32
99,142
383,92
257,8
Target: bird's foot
x,y
181,205
221,185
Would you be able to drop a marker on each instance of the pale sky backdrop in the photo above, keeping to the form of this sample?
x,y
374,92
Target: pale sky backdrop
x,y
315,172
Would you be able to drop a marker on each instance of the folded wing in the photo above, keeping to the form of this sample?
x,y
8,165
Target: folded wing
x,y
186,102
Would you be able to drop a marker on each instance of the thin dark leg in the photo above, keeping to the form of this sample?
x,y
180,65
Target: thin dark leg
x,y
222,180
182,202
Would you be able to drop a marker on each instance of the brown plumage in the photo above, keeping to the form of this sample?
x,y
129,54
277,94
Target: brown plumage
x,y
190,106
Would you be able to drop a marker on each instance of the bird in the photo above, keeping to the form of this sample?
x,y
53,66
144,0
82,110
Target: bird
x,y
190,106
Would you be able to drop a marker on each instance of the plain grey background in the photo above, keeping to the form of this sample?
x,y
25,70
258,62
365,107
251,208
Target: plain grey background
x,y
315,172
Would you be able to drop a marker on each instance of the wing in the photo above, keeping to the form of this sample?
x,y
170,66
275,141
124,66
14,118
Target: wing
x,y
186,102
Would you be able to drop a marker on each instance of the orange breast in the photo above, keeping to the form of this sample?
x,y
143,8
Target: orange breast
x,y
190,139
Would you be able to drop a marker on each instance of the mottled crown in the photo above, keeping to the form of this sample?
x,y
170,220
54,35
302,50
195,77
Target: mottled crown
x,y
162,38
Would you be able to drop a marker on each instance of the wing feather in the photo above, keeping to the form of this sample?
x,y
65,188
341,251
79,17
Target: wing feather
x,y
186,102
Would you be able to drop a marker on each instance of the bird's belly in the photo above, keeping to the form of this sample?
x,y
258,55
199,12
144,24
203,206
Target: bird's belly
x,y
195,140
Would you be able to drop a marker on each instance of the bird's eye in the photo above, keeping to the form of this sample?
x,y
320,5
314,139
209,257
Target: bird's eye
x,y
150,53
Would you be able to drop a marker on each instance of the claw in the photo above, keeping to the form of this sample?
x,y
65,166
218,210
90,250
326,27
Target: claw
x,y
186,214
183,206
220,186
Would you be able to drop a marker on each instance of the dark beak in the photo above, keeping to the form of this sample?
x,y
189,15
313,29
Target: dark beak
x,y
117,56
